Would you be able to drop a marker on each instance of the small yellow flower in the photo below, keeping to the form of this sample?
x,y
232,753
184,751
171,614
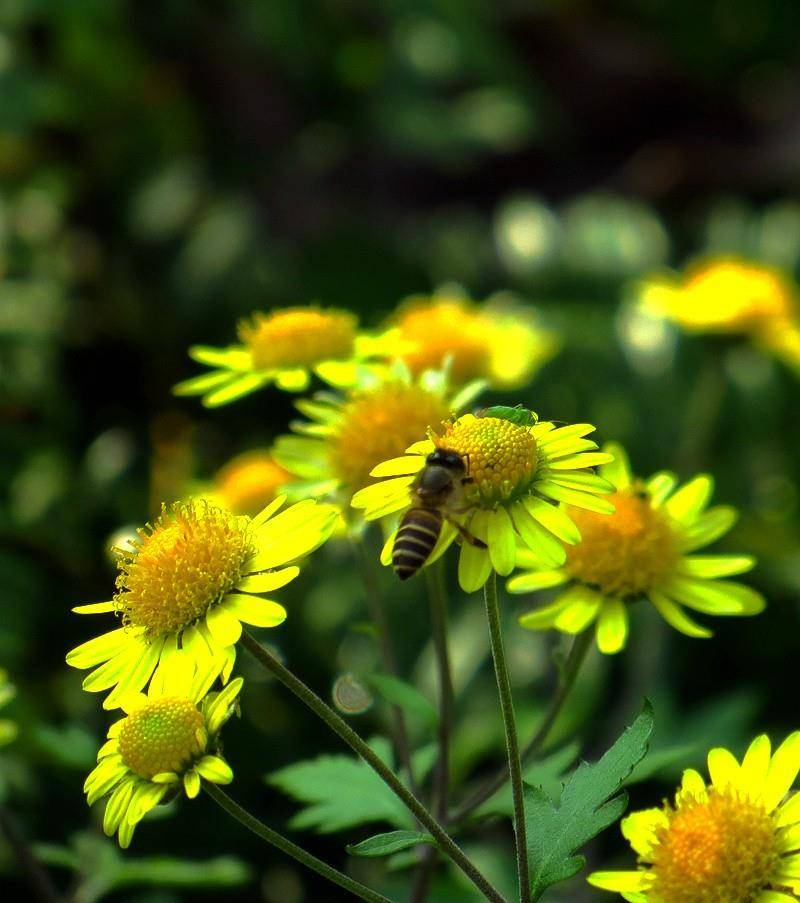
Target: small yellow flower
x,y
517,476
735,840
284,347
168,741
503,346
8,729
641,551
188,583
248,482
349,435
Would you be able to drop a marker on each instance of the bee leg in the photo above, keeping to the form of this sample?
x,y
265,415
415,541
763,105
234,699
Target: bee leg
x,y
467,536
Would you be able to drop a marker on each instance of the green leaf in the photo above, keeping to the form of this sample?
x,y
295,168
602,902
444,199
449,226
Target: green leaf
x,y
341,792
386,844
404,695
588,805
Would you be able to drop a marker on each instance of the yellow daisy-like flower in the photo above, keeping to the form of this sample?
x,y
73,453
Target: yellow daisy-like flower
x,y
642,551
734,840
517,473
189,583
284,347
504,346
347,436
248,482
8,729
168,741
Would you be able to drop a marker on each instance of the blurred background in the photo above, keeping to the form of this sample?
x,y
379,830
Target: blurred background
x,y
164,171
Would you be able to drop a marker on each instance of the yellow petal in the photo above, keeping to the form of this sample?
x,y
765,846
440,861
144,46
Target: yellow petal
x,y
501,541
612,627
782,771
255,611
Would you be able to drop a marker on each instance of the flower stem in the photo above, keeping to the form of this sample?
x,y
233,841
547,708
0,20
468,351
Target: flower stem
x,y
340,727
291,849
378,614
569,673
512,743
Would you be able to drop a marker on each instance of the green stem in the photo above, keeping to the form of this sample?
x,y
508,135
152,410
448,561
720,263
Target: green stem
x,y
291,849
703,409
510,726
377,613
340,727
569,673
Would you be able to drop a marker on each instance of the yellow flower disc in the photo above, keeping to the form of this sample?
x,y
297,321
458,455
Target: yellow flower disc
x,y
191,557
434,331
250,481
298,337
721,850
379,425
625,553
161,736
501,456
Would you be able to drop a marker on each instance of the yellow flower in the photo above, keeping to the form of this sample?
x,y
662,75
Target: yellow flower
x,y
248,482
728,295
734,840
503,346
517,473
8,729
642,551
283,347
188,583
168,741
349,435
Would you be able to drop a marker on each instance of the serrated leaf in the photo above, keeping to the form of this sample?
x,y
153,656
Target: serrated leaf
x,y
341,792
404,695
387,844
588,805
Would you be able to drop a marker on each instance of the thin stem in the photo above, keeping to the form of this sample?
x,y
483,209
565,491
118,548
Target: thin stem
x,y
340,727
291,849
437,599
39,880
703,409
377,613
569,673
510,726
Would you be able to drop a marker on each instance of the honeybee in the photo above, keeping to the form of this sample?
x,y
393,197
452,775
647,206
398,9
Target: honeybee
x,y
437,493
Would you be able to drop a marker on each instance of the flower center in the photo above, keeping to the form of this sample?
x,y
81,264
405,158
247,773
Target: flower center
x,y
434,331
625,553
161,736
379,425
298,337
191,557
722,850
250,481
501,457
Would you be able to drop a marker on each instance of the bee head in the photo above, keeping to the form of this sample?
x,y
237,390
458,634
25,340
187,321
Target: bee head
x,y
442,457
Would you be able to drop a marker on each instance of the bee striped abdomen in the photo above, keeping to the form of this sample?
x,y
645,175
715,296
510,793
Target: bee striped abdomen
x,y
415,540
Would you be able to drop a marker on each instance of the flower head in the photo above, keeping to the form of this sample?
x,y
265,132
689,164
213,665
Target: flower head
x,y
733,840
503,346
189,583
167,742
248,482
8,729
517,473
641,551
283,347
348,435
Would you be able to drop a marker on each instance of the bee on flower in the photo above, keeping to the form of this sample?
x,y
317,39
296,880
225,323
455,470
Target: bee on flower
x,y
641,551
347,435
166,743
503,345
284,347
189,582
516,472
8,729
735,839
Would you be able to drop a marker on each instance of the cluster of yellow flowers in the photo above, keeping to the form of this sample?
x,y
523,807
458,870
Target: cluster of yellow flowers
x,y
534,501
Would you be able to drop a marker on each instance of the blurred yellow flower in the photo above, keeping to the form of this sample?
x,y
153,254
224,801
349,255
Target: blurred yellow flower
x,y
248,482
347,436
8,729
167,742
188,583
284,347
641,551
516,474
734,840
503,345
